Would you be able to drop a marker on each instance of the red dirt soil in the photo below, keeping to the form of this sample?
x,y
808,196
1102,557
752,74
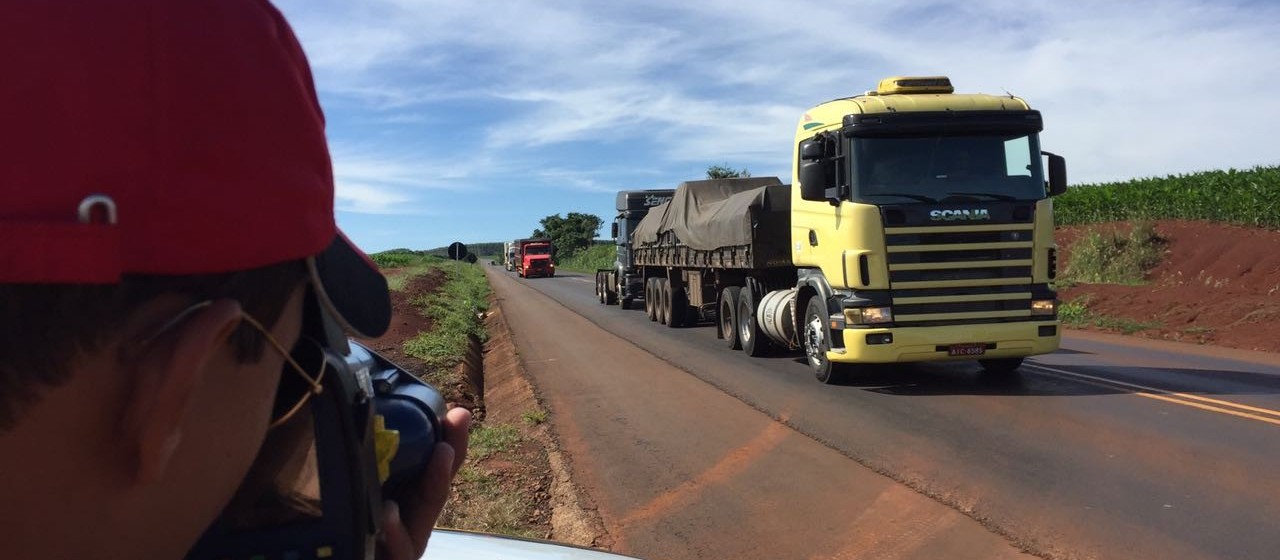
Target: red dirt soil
x,y
1218,284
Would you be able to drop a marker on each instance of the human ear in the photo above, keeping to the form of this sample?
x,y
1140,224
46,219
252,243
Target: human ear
x,y
166,374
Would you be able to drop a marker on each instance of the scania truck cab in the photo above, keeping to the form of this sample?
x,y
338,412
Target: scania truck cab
x,y
922,228
622,284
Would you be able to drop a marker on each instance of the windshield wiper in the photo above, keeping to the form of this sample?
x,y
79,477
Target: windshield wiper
x,y
992,195
918,197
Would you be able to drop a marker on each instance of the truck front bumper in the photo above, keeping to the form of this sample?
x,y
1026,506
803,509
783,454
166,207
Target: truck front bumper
x,y
926,344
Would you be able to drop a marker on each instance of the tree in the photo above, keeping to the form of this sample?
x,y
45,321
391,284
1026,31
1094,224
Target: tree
x,y
571,233
726,172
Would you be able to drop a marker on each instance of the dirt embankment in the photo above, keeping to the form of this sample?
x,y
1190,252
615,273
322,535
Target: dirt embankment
x,y
1217,284
519,485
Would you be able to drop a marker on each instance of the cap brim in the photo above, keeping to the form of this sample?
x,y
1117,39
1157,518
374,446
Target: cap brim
x,y
351,289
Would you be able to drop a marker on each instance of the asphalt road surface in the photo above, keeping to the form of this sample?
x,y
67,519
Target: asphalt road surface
x,y
1111,448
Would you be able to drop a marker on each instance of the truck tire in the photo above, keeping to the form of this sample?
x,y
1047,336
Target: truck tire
x,y
816,339
651,298
599,296
678,315
750,336
610,296
1001,368
728,317
664,300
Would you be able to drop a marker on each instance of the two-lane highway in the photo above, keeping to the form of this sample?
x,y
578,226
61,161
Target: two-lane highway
x,y
1107,449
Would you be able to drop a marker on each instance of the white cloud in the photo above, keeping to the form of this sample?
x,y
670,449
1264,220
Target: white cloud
x,y
368,199
1127,89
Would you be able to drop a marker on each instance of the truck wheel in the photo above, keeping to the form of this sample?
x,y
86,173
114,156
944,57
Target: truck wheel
x,y
651,299
610,296
728,317
599,297
817,341
664,300
679,313
749,334
625,303
1001,368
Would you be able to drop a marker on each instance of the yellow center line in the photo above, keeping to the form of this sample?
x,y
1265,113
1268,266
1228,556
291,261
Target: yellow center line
x,y
1185,399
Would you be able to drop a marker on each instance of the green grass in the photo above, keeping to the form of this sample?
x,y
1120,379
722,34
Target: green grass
x,y
1076,314
1113,258
481,503
454,314
489,439
534,417
1247,197
590,259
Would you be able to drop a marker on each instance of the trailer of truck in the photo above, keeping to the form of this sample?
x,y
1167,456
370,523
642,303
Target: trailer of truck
x,y
918,226
622,283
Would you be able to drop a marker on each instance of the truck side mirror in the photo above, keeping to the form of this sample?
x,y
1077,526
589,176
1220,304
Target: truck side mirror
x,y
813,180
613,232
813,170
811,150
1057,174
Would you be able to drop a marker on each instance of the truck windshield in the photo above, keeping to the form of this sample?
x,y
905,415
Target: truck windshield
x,y
537,250
946,168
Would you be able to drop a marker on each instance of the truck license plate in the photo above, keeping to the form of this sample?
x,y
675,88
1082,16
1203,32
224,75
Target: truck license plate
x,y
966,349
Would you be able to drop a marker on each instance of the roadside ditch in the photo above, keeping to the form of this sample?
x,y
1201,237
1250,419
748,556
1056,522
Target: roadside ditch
x,y
449,330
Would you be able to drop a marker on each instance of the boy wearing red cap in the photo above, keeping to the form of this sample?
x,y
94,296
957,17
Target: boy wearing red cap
x,y
166,211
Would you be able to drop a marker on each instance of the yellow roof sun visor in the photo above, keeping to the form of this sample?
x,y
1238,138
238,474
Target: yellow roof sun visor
x,y
909,85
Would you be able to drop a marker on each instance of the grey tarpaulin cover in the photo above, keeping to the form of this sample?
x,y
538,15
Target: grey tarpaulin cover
x,y
715,213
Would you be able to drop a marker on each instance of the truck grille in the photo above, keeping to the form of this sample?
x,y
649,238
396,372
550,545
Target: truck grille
x,y
955,274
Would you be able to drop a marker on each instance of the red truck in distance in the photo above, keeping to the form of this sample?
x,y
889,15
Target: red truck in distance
x,y
533,258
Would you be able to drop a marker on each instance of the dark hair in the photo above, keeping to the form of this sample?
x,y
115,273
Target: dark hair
x,y
45,328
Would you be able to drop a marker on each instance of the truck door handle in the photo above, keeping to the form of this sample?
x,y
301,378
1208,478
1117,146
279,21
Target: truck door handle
x,y
813,238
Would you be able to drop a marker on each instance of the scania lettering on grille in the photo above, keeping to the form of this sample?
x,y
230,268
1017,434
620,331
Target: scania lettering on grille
x,y
953,215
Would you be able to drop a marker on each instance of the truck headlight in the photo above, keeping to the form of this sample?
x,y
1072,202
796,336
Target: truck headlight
x,y
868,315
1044,306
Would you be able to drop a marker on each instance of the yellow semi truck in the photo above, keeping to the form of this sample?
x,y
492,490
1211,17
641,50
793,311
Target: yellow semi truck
x,y
918,226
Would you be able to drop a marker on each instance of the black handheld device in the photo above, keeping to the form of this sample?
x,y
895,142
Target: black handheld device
x,y
317,486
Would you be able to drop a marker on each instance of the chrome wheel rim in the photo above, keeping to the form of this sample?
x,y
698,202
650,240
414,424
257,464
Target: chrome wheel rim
x,y
813,341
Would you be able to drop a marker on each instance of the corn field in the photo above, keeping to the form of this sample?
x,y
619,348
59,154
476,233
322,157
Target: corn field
x,y
1247,197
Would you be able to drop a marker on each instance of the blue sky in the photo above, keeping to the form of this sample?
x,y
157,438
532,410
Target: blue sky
x,y
471,120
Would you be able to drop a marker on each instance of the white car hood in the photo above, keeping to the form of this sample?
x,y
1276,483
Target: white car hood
x,y
449,544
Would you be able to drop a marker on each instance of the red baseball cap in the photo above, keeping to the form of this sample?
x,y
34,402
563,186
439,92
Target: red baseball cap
x,y
168,137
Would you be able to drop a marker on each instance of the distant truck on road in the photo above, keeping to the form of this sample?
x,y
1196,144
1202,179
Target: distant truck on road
x,y
533,258
918,227
623,284
509,255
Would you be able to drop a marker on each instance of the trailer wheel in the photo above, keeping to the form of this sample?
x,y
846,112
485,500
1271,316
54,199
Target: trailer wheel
x,y
664,300
651,298
678,315
728,317
817,341
749,333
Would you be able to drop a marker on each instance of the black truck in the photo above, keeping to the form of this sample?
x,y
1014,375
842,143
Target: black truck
x,y
623,283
